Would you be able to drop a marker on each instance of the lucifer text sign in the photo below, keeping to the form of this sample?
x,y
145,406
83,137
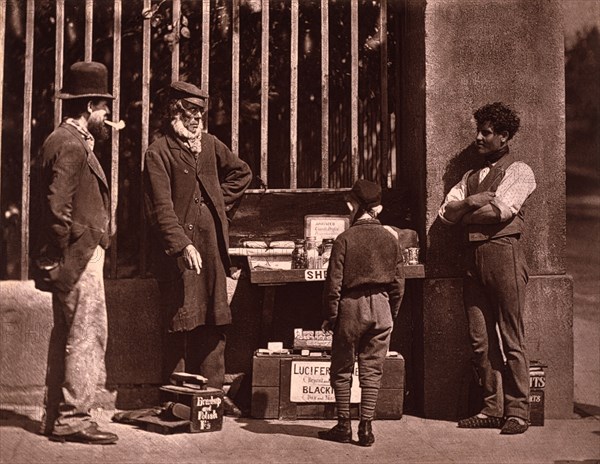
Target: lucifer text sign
x,y
309,383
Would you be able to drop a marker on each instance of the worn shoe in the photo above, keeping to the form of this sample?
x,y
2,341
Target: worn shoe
x,y
476,422
230,408
342,432
89,436
513,427
365,433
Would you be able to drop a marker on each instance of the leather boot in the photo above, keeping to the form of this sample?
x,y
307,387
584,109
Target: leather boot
x,y
365,433
89,436
342,432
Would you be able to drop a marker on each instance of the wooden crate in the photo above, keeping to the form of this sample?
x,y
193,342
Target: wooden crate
x,y
271,383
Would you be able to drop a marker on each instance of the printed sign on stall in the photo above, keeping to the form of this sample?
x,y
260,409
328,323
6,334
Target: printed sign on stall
x,y
310,383
323,226
315,274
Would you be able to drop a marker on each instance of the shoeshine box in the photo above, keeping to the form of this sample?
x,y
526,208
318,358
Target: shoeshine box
x,y
206,406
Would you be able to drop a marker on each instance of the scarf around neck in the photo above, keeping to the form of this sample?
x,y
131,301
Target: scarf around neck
x,y
494,156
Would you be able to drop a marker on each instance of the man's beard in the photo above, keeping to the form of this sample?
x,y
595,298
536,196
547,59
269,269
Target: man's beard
x,y
193,138
98,129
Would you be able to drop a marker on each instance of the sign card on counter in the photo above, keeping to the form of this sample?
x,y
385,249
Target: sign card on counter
x,y
323,226
310,383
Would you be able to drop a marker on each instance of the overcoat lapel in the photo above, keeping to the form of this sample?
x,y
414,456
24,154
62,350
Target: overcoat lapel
x,y
203,159
179,150
91,157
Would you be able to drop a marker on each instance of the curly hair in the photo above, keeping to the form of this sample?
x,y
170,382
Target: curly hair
x,y
500,116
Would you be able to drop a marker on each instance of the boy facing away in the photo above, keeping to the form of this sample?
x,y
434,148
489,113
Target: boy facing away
x,y
363,292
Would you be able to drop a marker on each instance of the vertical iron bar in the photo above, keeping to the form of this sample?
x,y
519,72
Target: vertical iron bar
x,y
59,53
114,164
264,94
176,34
397,99
354,88
385,121
325,93
235,77
27,104
2,41
294,96
205,50
89,29
147,40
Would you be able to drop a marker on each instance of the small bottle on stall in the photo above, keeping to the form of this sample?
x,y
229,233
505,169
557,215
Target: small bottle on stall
x,y
299,255
312,252
326,254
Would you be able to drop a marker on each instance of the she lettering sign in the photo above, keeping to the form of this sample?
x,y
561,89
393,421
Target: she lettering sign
x,y
315,274
310,383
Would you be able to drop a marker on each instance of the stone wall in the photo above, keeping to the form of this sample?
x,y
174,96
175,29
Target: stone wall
x,y
478,52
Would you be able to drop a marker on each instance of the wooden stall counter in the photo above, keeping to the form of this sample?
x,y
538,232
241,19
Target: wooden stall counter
x,y
270,279
267,216
261,276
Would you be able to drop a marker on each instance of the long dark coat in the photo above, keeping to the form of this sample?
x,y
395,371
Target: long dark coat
x,y
179,190
76,210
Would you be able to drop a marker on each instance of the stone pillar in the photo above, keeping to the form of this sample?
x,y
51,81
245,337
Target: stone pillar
x,y
477,52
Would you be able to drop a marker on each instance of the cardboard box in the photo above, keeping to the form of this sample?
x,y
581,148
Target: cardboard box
x,y
537,386
293,387
206,406
312,340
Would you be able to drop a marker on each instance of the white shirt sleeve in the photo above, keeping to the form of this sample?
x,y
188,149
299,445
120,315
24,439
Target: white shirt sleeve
x,y
516,186
456,193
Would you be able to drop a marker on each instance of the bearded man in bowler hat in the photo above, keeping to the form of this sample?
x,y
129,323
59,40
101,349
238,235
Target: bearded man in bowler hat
x,y
70,258
192,180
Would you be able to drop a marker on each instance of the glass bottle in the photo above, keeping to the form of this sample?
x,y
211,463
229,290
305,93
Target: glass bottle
x,y
299,255
312,253
327,246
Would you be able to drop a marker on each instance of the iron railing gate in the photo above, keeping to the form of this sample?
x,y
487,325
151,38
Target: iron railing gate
x,y
358,134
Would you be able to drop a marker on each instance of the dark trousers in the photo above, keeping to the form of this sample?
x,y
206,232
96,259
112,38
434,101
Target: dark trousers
x,y
363,328
494,296
198,351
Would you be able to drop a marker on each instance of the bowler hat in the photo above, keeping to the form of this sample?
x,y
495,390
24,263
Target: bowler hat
x,y
366,193
181,90
85,79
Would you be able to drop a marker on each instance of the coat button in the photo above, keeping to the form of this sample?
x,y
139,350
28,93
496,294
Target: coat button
x,y
190,226
186,171
196,200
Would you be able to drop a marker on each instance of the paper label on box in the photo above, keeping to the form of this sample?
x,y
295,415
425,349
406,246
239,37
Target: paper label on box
x,y
310,383
324,226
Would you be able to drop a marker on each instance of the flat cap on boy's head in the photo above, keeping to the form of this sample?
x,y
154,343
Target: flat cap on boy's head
x,y
366,193
181,90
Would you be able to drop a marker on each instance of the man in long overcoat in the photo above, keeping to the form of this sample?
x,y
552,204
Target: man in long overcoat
x,y
191,180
